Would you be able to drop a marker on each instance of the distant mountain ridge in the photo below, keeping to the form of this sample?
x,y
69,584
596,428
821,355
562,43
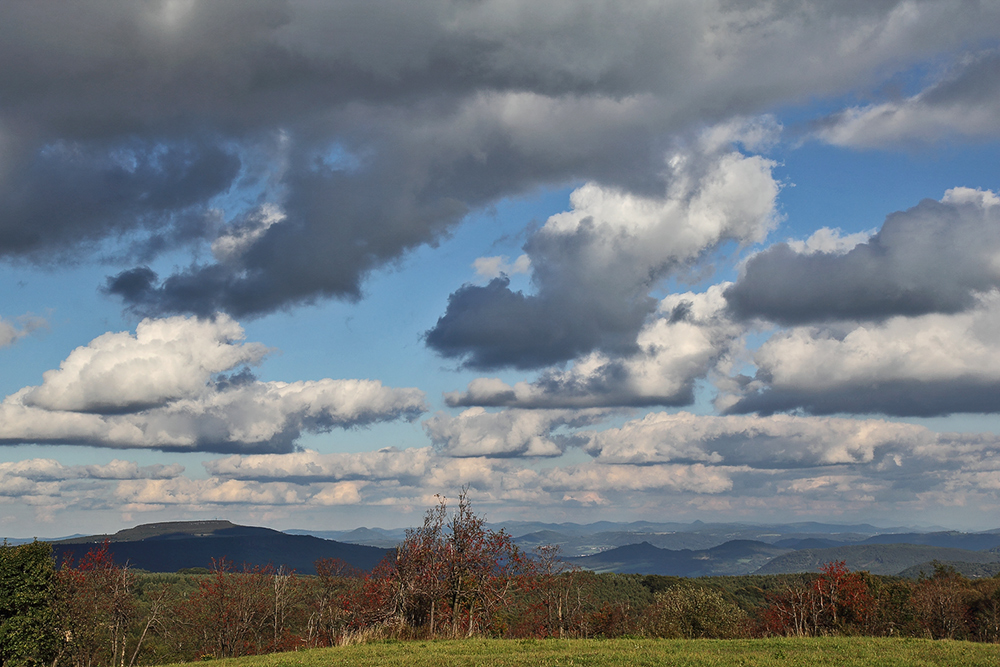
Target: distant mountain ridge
x,y
874,558
732,558
175,545
669,548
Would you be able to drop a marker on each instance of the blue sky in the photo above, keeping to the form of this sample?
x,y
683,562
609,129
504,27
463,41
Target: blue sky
x,y
308,265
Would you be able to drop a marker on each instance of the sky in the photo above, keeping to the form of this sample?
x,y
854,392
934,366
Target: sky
x,y
306,264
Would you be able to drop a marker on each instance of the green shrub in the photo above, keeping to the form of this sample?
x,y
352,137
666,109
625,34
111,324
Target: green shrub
x,y
692,612
27,575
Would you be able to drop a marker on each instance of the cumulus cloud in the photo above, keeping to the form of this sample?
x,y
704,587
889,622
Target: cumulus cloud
x,y
375,132
155,390
933,364
423,472
594,265
779,441
933,258
165,360
687,338
186,491
48,485
830,242
476,432
964,104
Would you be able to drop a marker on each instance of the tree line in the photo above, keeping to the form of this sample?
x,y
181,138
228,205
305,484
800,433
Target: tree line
x,y
451,577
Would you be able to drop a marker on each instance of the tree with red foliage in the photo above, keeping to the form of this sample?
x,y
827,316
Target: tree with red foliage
x,y
549,593
835,602
449,573
239,613
942,602
335,580
843,598
482,568
96,607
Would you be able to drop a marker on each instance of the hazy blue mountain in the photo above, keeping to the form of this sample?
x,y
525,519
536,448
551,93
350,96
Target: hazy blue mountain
x,y
731,558
171,546
875,558
809,543
950,538
680,549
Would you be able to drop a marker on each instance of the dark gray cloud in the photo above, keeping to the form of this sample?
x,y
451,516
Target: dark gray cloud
x,y
900,398
375,130
72,193
493,326
933,258
686,340
593,266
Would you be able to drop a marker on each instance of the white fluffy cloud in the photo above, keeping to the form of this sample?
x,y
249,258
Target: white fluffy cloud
x,y
494,267
830,241
476,432
156,391
746,466
52,470
926,365
312,466
778,441
166,359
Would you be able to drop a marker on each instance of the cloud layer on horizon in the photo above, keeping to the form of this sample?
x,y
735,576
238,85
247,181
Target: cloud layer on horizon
x,y
780,466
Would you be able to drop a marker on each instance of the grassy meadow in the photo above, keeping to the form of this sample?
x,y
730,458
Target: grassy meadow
x,y
800,652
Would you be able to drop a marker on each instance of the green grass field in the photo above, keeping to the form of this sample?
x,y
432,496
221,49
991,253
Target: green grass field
x,y
835,652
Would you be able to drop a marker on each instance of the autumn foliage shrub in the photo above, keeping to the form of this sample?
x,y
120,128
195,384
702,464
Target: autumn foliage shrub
x,y
450,577
836,602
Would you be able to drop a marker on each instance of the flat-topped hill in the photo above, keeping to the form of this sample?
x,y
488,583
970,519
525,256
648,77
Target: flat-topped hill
x,y
175,545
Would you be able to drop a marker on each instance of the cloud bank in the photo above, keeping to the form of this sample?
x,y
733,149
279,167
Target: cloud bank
x,y
753,466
